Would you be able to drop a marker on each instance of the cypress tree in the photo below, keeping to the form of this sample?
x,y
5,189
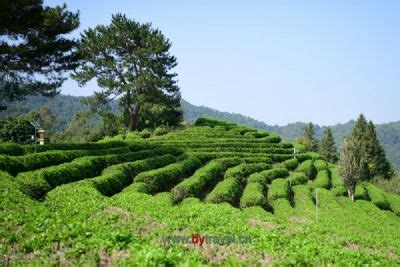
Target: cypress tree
x,y
327,147
377,163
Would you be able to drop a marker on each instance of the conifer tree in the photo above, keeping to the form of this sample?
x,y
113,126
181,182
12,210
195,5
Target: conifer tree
x,y
327,146
308,138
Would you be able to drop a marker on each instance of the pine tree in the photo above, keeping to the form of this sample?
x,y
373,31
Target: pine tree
x,y
327,146
308,138
130,61
352,165
34,51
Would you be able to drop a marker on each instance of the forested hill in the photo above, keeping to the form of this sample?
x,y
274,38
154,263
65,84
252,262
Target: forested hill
x,y
65,106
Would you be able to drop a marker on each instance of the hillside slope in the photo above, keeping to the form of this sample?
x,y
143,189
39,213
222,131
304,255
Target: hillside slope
x,y
215,193
65,106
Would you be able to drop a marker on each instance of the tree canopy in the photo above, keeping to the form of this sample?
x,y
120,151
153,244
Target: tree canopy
x,y
132,62
34,51
327,146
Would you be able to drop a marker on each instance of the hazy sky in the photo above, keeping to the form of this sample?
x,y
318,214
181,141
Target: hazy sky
x,y
276,61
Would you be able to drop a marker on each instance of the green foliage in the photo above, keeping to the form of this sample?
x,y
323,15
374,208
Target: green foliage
x,y
146,133
279,188
253,196
114,178
11,149
377,196
394,203
353,167
267,176
297,178
360,192
392,185
322,180
203,177
327,146
335,177
308,168
34,49
17,130
241,171
308,138
320,165
166,177
148,91
37,183
291,164
225,191
161,130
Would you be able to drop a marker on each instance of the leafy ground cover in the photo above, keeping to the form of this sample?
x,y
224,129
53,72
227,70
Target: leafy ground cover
x,y
215,193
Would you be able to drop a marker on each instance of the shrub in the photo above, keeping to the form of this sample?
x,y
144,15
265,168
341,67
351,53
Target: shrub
x,y
360,192
309,155
163,178
253,196
194,185
74,146
339,190
37,183
394,203
308,168
114,178
138,187
267,176
243,170
297,178
336,178
257,134
273,138
225,191
11,149
279,188
291,164
322,179
146,133
377,197
161,130
320,165
281,207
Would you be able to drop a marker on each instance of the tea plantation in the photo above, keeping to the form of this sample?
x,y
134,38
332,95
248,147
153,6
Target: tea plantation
x,y
140,203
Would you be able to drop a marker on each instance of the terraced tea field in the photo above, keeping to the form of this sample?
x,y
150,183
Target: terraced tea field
x,y
215,193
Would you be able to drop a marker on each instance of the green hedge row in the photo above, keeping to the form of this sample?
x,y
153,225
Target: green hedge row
x,y
225,191
291,164
394,203
377,196
322,180
309,155
360,192
74,146
207,156
320,165
279,188
258,134
253,196
308,168
195,141
37,183
243,170
213,122
163,178
11,149
114,178
244,150
339,190
30,162
336,178
273,138
267,176
303,200
203,177
297,178
138,187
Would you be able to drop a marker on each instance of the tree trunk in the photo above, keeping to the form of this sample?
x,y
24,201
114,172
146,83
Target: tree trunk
x,y
134,117
351,194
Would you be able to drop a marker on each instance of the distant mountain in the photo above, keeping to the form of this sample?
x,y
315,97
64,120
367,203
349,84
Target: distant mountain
x,y
64,106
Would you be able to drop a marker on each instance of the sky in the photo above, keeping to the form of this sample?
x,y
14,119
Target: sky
x,y
276,61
